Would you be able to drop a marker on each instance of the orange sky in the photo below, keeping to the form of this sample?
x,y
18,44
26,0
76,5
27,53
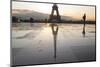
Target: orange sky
x,y
66,10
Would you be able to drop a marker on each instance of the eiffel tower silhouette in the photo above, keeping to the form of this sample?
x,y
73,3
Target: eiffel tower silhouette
x,y
55,18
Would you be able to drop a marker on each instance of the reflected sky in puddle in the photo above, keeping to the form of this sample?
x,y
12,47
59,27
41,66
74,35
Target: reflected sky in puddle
x,y
52,43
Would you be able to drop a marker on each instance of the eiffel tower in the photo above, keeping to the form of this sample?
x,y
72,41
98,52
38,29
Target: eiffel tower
x,y
55,18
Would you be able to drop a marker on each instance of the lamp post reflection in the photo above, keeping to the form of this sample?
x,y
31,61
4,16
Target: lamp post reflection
x,y
54,28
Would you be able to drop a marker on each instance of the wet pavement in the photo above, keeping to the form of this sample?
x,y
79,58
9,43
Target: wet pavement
x,y
42,43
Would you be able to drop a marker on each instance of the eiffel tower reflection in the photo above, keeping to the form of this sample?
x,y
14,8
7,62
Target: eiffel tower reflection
x,y
54,28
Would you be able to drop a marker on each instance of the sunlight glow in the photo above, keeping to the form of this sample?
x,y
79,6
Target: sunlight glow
x,y
65,10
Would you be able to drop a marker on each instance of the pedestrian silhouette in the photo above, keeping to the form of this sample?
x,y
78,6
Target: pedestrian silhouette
x,y
84,17
84,21
31,20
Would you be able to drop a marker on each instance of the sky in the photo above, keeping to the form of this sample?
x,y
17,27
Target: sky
x,y
74,11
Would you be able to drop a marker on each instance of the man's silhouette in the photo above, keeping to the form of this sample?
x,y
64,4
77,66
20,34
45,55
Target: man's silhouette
x,y
84,19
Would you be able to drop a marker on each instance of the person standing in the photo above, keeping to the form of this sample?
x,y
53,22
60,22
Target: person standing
x,y
84,20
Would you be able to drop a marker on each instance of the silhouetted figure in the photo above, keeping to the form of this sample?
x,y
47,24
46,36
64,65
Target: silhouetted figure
x,y
54,28
14,19
54,18
31,20
84,20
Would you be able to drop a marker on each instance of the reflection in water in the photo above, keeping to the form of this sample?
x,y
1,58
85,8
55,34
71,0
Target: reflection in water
x,y
71,47
83,30
54,28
